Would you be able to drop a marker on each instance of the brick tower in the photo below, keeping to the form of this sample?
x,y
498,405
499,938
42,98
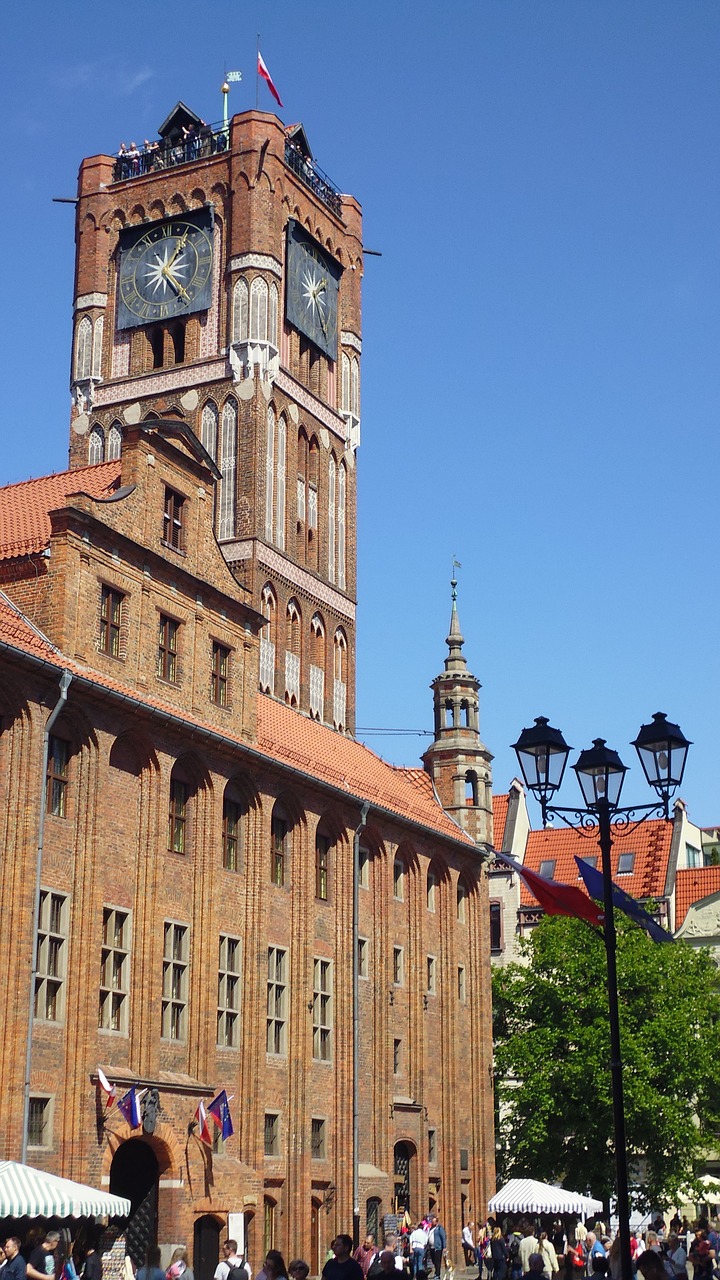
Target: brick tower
x,y
458,761
218,281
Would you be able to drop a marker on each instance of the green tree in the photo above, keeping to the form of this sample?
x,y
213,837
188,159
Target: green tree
x,y
552,1060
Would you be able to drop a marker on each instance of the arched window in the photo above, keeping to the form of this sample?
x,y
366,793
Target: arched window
x,y
83,348
270,473
432,882
355,387
471,787
465,713
280,847
268,639
307,497
332,526
228,465
209,429
345,393
114,442
293,645
341,503
96,444
240,311
399,873
258,310
449,714
317,666
234,810
323,846
280,483
461,901
273,315
179,814
339,678
97,347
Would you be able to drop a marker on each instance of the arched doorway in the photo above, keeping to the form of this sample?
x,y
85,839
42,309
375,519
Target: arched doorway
x,y
206,1246
315,1264
134,1173
404,1158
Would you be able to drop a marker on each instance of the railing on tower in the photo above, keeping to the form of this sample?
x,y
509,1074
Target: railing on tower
x,y
312,175
152,157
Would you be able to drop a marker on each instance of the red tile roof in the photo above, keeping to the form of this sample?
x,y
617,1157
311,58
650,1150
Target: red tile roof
x,y
691,885
283,735
24,519
650,843
500,812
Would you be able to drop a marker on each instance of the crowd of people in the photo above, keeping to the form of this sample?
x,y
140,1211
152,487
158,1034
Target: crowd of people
x,y
194,142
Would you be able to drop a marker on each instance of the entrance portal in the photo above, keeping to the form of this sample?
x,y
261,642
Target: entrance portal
x,y
134,1173
206,1247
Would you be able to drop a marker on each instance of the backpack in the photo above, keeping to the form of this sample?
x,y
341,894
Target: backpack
x,y
514,1248
238,1272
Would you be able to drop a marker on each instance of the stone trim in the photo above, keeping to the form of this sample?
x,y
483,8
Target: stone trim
x,y
292,573
322,412
261,261
349,339
91,300
160,382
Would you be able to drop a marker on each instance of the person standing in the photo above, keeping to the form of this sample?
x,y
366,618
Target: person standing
x,y
365,1254
468,1243
546,1247
528,1245
419,1239
42,1259
437,1243
15,1268
341,1266
499,1255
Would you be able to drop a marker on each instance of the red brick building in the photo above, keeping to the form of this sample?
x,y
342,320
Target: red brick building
x,y
182,797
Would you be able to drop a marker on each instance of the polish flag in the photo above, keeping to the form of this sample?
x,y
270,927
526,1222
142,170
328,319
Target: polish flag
x,y
202,1124
263,71
108,1089
555,898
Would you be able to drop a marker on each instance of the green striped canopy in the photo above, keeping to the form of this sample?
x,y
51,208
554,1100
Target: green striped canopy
x,y
32,1193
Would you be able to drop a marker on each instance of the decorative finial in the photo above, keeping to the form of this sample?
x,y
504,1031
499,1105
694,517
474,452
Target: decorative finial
x,y
453,581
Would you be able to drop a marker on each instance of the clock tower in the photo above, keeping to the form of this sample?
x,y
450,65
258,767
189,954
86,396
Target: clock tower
x,y
217,280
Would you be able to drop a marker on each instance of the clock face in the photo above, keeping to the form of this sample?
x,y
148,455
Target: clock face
x,y
312,286
165,269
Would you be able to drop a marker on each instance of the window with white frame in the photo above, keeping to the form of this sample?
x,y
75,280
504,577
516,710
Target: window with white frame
x,y
114,442
96,445
209,428
258,310
83,348
362,957
240,311
114,970
277,995
228,469
322,1010
98,329
268,640
40,1117
398,966
228,1011
51,956
176,959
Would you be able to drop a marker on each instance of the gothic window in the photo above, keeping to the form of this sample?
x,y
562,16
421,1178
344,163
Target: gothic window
x,y
83,348
341,514
302,481
449,715
97,347
339,678
258,310
345,392
228,465
465,713
279,847
399,872
175,986
179,813
209,429
233,829
317,666
58,776
240,311
114,996
268,640
431,889
323,845
270,474
96,445
280,483
461,902
350,391
332,527
471,788
273,314
293,652
114,442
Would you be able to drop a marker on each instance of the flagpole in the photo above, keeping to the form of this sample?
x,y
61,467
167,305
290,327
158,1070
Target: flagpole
x,y
257,73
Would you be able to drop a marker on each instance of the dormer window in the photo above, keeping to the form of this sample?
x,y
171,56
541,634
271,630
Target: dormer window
x,y
173,529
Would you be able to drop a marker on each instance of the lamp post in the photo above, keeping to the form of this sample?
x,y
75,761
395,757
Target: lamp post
x,y
543,753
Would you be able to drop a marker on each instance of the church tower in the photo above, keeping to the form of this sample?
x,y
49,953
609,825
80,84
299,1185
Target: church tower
x,y
458,762
217,280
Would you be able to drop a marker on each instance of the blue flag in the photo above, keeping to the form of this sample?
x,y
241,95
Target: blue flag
x,y
622,900
219,1109
128,1105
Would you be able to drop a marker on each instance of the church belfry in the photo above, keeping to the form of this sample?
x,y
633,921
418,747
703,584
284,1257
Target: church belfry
x,y
218,276
458,761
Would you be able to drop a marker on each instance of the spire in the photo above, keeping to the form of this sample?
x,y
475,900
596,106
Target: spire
x,y
455,640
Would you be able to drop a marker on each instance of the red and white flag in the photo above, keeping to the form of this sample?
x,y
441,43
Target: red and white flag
x,y
263,71
108,1089
203,1128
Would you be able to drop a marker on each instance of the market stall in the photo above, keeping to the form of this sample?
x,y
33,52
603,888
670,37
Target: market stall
x,y
31,1193
525,1195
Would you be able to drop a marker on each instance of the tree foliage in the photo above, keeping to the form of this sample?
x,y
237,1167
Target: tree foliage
x,y
552,1061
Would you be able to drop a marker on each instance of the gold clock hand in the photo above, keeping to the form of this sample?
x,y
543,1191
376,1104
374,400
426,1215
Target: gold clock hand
x,y
182,293
178,249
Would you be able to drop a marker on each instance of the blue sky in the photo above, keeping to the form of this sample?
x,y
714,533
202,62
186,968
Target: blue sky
x,y
541,334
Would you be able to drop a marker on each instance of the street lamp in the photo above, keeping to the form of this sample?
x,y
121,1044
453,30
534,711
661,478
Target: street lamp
x,y
543,753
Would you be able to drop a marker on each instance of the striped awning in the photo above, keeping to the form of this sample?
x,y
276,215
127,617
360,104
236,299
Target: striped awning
x,y
30,1192
525,1195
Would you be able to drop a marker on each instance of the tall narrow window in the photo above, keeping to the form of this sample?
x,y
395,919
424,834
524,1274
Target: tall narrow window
x,y
399,879
39,1130
258,310
114,970
83,348
340,679
272,1133
317,667
293,653
273,314
496,938
280,483
317,1139
241,311
362,958
209,429
322,1010
232,834
268,640
461,901
270,473
51,956
96,445
111,603
168,648
176,954
178,816
277,1000
397,1057
364,868
156,339
220,675
58,776
177,337
98,328
461,982
431,975
341,514
114,442
173,530
345,392
431,889
332,526
322,866
279,836
228,1013
398,966
228,468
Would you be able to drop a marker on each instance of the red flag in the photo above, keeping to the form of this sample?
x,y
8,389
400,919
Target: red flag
x,y
555,898
263,71
202,1124
108,1089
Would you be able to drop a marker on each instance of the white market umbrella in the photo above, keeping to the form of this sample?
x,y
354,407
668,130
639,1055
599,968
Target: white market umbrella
x,y
26,1192
525,1195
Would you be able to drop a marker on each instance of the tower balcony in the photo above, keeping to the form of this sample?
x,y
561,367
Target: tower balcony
x,y
312,175
200,143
